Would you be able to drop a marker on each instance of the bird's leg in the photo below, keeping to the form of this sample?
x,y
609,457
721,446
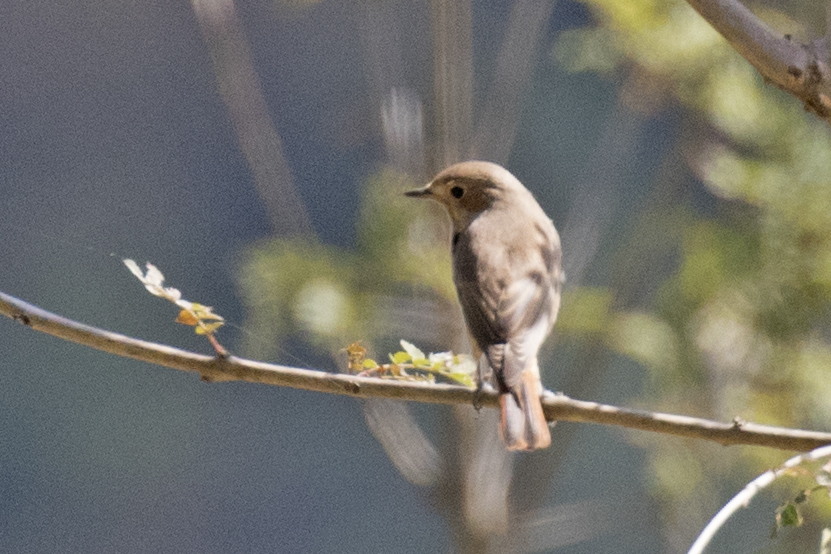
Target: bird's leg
x,y
483,379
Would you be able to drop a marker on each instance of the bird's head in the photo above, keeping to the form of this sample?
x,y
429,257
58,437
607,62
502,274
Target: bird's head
x,y
467,189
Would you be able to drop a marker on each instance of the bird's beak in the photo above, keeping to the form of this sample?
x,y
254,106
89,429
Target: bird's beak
x,y
423,192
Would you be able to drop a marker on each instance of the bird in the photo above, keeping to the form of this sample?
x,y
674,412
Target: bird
x,y
507,268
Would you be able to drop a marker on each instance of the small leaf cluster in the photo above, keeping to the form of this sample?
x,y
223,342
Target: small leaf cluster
x,y
324,295
790,514
200,317
411,364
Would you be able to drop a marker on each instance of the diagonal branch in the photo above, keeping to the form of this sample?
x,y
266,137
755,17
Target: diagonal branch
x,y
800,69
557,406
241,90
452,29
496,129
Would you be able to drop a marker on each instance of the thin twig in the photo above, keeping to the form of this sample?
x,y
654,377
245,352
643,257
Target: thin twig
x,y
557,406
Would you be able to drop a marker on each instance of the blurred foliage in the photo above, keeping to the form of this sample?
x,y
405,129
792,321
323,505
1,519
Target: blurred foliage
x,y
333,297
741,327
412,364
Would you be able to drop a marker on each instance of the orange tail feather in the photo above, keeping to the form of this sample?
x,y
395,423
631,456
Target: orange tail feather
x,y
523,425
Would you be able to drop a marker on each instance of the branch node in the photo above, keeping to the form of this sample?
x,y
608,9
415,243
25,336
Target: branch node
x,y
20,317
812,80
738,423
219,370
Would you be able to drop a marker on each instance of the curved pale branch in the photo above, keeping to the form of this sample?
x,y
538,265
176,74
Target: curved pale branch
x,y
557,406
750,490
800,69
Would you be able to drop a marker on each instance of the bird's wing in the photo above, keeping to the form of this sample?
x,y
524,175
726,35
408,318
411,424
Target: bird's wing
x,y
509,295
529,302
479,298
480,308
526,313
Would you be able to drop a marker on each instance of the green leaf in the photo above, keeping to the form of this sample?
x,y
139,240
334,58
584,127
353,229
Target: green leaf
x,y
789,516
207,328
585,310
400,357
461,378
370,363
412,350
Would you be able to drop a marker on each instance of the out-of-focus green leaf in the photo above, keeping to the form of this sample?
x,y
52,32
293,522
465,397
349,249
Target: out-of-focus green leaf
x,y
789,516
585,310
404,240
588,50
299,285
400,357
646,338
461,378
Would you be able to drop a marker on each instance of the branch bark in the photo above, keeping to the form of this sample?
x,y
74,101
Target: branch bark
x,y
558,407
800,69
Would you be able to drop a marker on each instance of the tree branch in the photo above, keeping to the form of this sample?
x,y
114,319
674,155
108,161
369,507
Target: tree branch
x,y
743,498
239,86
800,69
557,406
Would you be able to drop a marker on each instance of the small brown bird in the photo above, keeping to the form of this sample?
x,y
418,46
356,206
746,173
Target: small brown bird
x,y
506,267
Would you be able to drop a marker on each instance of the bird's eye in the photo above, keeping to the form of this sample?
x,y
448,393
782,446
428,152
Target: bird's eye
x,y
457,192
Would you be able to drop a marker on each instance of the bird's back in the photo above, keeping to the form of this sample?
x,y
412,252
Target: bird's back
x,y
507,272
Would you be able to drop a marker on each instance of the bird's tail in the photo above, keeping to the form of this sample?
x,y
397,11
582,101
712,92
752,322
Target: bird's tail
x,y
523,425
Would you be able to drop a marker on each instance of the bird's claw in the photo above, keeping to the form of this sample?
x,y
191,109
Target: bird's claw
x,y
477,398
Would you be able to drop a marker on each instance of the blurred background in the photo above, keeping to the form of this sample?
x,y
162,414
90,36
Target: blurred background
x,y
256,152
